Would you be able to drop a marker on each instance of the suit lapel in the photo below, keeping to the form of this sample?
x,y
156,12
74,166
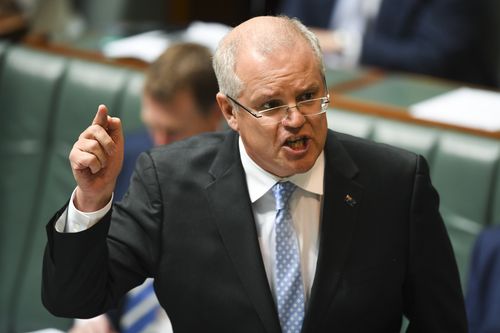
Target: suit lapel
x,y
341,203
230,204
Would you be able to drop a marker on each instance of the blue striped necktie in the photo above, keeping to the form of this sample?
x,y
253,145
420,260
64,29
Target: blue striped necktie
x,y
288,278
141,308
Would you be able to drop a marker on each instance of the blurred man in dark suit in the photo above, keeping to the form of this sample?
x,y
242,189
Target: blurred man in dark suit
x,y
435,37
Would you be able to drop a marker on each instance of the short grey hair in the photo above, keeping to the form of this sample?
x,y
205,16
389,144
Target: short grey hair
x,y
224,59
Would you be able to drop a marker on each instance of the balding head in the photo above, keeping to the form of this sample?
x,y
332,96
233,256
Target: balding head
x,y
264,35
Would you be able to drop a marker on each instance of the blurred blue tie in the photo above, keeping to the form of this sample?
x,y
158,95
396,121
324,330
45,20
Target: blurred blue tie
x,y
141,308
289,287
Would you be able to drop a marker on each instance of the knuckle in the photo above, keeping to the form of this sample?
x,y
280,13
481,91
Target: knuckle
x,y
93,145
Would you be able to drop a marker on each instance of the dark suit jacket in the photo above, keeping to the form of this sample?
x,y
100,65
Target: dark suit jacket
x,y
187,221
435,37
135,144
483,289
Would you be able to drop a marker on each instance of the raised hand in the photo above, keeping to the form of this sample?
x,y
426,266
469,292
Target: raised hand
x,y
96,160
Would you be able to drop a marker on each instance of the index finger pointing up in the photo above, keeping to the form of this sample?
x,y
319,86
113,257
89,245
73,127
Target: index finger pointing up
x,y
101,117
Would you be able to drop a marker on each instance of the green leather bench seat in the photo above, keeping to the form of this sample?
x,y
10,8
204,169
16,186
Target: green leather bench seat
x,y
85,86
28,87
463,172
418,139
46,101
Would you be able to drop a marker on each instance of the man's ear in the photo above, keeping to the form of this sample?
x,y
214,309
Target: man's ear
x,y
227,110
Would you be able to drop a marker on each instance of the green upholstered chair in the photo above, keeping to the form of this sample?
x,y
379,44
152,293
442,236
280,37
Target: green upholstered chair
x,y
85,86
28,87
130,104
352,123
463,172
418,139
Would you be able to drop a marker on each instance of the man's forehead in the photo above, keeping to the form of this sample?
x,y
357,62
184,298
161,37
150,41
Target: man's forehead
x,y
264,33
254,59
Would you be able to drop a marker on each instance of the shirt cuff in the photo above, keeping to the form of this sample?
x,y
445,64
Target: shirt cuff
x,y
73,220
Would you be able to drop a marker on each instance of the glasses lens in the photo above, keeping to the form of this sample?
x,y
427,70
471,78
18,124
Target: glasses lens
x,y
324,103
312,106
274,115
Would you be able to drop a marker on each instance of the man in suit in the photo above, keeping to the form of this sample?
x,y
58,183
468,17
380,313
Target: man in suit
x,y
435,37
483,289
366,243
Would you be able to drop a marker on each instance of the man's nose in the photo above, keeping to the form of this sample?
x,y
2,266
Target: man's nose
x,y
294,118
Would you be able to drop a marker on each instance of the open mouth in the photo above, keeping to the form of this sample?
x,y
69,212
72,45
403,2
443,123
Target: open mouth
x,y
299,143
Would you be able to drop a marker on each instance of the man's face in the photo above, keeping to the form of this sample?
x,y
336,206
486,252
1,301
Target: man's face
x,y
285,77
175,120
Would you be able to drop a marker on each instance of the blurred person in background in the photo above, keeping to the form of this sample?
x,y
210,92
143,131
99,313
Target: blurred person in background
x,y
435,37
178,102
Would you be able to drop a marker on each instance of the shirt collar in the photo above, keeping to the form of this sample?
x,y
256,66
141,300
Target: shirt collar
x,y
259,181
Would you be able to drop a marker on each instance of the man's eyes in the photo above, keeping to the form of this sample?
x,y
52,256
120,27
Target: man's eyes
x,y
271,104
277,103
306,96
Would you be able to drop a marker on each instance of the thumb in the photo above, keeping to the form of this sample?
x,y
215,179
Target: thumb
x,y
101,117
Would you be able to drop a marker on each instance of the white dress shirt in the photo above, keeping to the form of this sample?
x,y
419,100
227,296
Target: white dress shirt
x,y
306,209
305,205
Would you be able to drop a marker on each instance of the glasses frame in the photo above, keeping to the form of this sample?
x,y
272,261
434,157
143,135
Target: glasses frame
x,y
258,114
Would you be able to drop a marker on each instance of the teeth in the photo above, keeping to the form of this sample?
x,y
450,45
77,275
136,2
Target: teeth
x,y
297,143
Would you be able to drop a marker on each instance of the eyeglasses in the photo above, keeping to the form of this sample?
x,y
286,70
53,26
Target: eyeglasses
x,y
308,108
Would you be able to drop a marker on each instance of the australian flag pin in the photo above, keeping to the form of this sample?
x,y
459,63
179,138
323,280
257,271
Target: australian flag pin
x,y
349,200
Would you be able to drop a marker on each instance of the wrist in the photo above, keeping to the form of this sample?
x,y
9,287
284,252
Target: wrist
x,y
85,202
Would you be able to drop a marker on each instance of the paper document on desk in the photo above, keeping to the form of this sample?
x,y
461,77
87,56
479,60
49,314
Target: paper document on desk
x,y
150,45
467,107
206,33
146,46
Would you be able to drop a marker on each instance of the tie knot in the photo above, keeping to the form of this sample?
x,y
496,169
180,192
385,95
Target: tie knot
x,y
282,192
